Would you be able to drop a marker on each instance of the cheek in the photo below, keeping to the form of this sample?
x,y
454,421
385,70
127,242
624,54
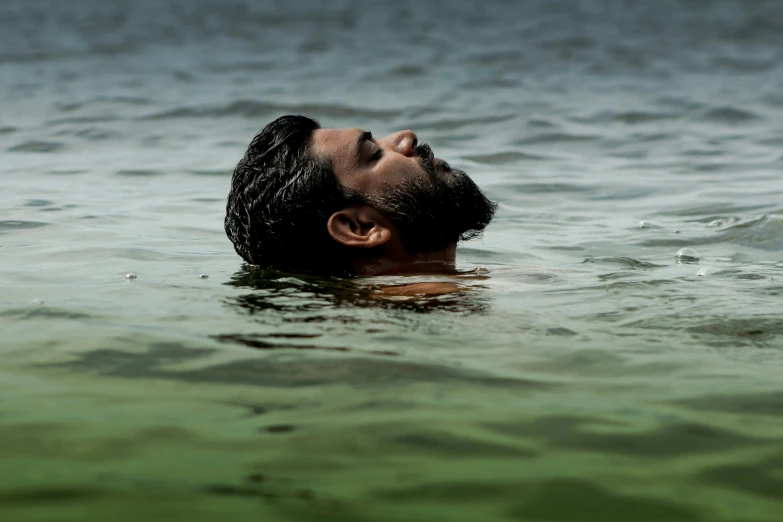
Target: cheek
x,y
394,172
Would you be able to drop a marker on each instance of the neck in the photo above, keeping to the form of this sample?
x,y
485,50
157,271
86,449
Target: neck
x,y
438,262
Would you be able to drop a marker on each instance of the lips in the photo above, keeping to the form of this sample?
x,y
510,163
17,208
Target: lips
x,y
428,159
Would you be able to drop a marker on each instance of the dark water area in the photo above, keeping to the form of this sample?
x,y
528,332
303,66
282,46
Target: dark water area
x,y
593,374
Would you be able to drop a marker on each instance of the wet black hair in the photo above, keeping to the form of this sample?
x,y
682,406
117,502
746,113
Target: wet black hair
x,y
280,201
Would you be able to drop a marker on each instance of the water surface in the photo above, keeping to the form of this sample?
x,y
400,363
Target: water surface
x,y
592,376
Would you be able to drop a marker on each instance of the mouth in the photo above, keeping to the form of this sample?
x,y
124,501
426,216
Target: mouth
x,y
430,163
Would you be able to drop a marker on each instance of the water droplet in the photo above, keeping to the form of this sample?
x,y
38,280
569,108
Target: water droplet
x,y
130,275
686,255
203,276
482,270
707,270
38,301
645,224
676,231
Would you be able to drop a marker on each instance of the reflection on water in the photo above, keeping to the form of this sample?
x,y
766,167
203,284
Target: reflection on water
x,y
591,374
302,293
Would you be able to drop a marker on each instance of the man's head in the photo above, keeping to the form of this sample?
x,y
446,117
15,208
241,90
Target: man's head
x,y
330,201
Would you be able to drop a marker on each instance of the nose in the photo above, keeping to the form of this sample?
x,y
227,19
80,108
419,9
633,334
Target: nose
x,y
404,142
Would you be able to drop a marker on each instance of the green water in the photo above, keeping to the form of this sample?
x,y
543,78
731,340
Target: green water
x,y
591,375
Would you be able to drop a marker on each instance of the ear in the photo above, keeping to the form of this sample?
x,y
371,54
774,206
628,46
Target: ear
x,y
359,226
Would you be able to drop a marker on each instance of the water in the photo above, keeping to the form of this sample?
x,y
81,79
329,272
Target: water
x,y
592,375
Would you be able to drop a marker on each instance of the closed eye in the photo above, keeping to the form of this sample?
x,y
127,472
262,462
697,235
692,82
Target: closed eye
x,y
364,142
378,153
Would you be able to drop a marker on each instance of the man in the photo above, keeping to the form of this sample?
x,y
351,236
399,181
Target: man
x,y
342,203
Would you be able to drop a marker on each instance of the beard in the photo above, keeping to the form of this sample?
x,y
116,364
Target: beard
x,y
435,212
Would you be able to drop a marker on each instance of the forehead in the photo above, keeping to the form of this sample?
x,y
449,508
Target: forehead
x,y
336,144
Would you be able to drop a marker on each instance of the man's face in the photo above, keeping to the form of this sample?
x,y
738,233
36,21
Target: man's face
x,y
430,203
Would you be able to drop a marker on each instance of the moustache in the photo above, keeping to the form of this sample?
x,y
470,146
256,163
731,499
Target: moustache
x,y
424,152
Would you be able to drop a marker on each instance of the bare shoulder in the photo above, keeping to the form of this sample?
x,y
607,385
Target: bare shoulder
x,y
421,289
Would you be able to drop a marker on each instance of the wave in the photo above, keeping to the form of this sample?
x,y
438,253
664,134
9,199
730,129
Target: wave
x,y
105,100
37,146
627,263
305,372
500,158
763,233
38,312
457,123
742,64
255,109
543,188
556,137
627,117
12,226
140,173
728,114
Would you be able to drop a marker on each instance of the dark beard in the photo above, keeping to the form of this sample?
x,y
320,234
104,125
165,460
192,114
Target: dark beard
x,y
438,211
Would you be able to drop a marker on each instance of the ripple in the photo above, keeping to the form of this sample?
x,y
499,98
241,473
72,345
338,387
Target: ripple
x,y
47,312
37,146
765,233
90,133
84,119
627,117
215,173
767,404
719,331
544,188
570,43
556,137
26,57
653,136
701,152
139,173
66,172
11,226
7,130
543,500
501,158
624,262
504,58
728,114
589,502
458,123
542,123
38,203
761,478
667,440
742,64
680,103
102,100
774,98
255,109
342,371
52,496
721,210
456,446
242,66
401,71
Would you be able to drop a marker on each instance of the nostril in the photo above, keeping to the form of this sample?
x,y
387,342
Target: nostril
x,y
414,145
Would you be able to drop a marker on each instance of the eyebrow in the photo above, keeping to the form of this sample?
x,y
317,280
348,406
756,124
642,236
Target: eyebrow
x,y
360,139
